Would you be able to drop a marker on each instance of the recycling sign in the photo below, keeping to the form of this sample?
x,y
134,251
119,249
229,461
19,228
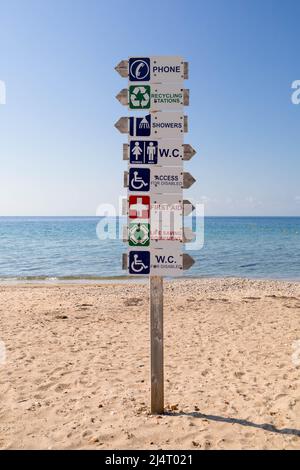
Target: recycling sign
x,y
139,97
156,97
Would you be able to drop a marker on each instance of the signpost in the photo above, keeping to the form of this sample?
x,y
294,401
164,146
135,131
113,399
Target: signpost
x,y
166,152
155,179
154,97
161,69
155,125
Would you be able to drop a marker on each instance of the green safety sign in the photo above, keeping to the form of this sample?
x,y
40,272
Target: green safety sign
x,y
139,234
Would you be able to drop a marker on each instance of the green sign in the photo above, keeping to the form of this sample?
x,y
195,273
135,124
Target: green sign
x,y
139,234
139,97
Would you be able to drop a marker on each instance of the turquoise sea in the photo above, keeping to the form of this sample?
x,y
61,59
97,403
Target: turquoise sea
x,y
68,248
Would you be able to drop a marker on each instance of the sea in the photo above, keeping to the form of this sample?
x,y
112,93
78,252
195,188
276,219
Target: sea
x,y
68,249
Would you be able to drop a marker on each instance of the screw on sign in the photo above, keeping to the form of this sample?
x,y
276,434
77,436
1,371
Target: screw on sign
x,y
155,179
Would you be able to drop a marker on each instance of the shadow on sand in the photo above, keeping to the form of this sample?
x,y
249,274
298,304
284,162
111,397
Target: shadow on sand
x,y
241,422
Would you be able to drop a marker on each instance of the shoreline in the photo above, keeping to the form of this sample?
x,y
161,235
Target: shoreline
x,y
52,281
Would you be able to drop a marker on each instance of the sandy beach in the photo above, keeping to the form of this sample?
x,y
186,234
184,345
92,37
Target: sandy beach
x,y
77,366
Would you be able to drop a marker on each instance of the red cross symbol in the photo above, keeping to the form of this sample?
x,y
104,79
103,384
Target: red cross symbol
x,y
139,207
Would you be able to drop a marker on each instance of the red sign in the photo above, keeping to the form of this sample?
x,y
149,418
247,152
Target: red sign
x,y
139,207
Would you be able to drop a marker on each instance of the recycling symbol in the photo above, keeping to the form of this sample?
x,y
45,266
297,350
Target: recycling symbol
x,y
139,97
139,234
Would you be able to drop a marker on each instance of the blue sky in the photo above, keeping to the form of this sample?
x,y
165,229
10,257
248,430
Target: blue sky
x,y
59,151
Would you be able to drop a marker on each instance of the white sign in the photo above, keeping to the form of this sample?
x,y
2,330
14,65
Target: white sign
x,y
166,180
156,69
157,218
166,217
157,125
157,97
164,260
155,180
166,152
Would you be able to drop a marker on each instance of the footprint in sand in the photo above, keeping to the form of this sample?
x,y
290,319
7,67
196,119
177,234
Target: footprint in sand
x,y
43,388
62,387
134,301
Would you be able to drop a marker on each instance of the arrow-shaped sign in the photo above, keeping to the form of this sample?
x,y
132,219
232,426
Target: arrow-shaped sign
x,y
187,180
187,207
187,235
154,97
122,96
154,125
187,261
124,261
188,152
122,125
154,69
122,68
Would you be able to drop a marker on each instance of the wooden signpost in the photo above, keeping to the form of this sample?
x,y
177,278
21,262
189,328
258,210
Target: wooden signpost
x,y
155,180
157,344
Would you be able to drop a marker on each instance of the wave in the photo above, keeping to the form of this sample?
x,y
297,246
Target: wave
x,y
250,265
84,278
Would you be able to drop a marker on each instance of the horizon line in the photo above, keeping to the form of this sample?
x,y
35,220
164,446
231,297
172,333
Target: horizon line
x,y
98,216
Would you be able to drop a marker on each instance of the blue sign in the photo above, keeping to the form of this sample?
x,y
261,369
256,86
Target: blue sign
x,y
140,127
139,179
139,262
142,151
139,69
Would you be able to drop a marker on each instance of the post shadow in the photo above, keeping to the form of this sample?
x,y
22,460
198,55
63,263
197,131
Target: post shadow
x,y
241,422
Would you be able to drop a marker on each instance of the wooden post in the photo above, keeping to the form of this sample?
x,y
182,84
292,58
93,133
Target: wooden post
x,y
157,344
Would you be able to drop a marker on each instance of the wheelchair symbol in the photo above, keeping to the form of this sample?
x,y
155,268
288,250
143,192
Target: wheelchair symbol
x,y
139,179
139,262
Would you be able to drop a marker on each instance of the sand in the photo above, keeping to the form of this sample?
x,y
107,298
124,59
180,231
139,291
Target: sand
x,y
77,366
